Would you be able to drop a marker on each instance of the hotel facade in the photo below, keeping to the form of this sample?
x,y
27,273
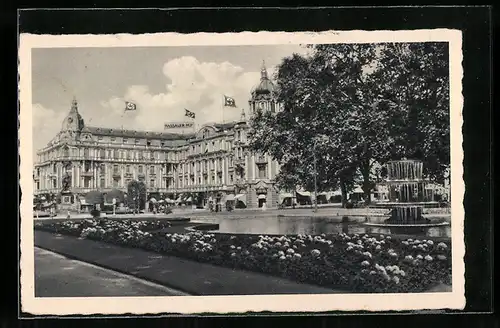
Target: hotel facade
x,y
212,163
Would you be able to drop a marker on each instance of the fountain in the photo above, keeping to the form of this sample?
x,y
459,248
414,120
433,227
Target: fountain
x,y
407,195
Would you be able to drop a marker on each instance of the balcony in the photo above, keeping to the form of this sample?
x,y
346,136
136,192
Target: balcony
x,y
260,160
87,174
116,175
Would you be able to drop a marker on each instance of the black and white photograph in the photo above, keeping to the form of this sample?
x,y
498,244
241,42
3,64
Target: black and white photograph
x,y
234,172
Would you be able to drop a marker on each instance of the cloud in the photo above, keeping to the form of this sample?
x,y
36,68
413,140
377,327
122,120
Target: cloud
x,y
191,84
46,123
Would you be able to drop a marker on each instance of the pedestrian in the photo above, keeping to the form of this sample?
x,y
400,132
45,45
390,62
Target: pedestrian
x,y
69,216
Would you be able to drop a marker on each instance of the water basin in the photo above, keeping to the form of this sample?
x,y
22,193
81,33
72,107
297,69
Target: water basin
x,y
293,225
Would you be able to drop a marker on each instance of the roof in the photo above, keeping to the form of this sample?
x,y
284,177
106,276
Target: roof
x,y
137,134
265,86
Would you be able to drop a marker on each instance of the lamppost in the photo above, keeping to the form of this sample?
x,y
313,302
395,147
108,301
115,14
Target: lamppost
x,y
315,178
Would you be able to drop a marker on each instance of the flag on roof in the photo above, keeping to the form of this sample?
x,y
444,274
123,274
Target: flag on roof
x,y
130,106
229,101
189,113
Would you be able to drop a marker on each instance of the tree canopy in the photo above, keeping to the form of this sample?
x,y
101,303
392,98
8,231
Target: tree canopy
x,y
136,194
357,106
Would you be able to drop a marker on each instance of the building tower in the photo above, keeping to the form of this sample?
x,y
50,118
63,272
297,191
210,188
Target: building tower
x,y
264,94
73,123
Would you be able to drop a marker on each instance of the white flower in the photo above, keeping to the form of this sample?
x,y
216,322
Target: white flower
x,y
378,247
442,246
365,263
420,257
349,248
315,252
233,254
281,253
367,254
441,257
282,258
373,273
430,242
238,248
290,251
409,258
395,279
428,258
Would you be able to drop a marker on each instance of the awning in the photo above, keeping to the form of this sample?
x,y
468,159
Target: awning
x,y
304,193
152,200
358,190
337,193
190,199
239,196
286,195
230,197
262,196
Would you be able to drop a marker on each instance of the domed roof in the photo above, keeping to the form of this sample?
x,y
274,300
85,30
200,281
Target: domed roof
x,y
265,85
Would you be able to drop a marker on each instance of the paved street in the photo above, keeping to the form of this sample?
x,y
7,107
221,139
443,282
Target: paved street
x,y
57,276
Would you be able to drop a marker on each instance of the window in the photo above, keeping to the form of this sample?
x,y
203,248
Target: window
x,y
103,183
115,169
213,180
199,180
128,154
125,140
115,183
141,170
113,139
99,138
115,154
66,152
231,178
128,168
148,143
262,171
85,152
86,183
38,185
102,153
152,183
152,170
136,141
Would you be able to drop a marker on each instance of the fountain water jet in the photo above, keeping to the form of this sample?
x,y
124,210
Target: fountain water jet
x,y
407,194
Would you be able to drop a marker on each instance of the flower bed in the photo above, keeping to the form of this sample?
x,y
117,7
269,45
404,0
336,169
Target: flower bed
x,y
356,263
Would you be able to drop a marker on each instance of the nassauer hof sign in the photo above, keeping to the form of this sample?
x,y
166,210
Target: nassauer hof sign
x,y
179,127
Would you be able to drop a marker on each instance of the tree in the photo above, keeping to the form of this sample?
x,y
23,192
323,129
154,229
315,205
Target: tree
x,y
295,135
95,198
136,195
415,78
356,106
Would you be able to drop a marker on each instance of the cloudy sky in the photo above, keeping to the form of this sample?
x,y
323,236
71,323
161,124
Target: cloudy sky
x,y
162,81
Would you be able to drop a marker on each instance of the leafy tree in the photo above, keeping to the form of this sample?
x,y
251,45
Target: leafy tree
x,y
356,106
415,79
136,195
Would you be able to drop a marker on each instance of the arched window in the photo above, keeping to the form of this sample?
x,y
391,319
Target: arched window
x,y
66,151
86,152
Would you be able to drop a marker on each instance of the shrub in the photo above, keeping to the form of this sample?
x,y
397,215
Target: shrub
x,y
95,213
349,204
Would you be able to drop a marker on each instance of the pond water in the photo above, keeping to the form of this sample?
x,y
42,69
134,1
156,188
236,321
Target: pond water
x,y
315,226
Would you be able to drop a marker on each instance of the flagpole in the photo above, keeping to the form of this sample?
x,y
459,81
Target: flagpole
x,y
222,108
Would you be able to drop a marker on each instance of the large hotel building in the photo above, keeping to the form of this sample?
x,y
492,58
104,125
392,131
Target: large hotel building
x,y
211,163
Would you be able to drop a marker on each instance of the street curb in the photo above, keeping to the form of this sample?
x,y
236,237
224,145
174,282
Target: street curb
x,y
72,257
